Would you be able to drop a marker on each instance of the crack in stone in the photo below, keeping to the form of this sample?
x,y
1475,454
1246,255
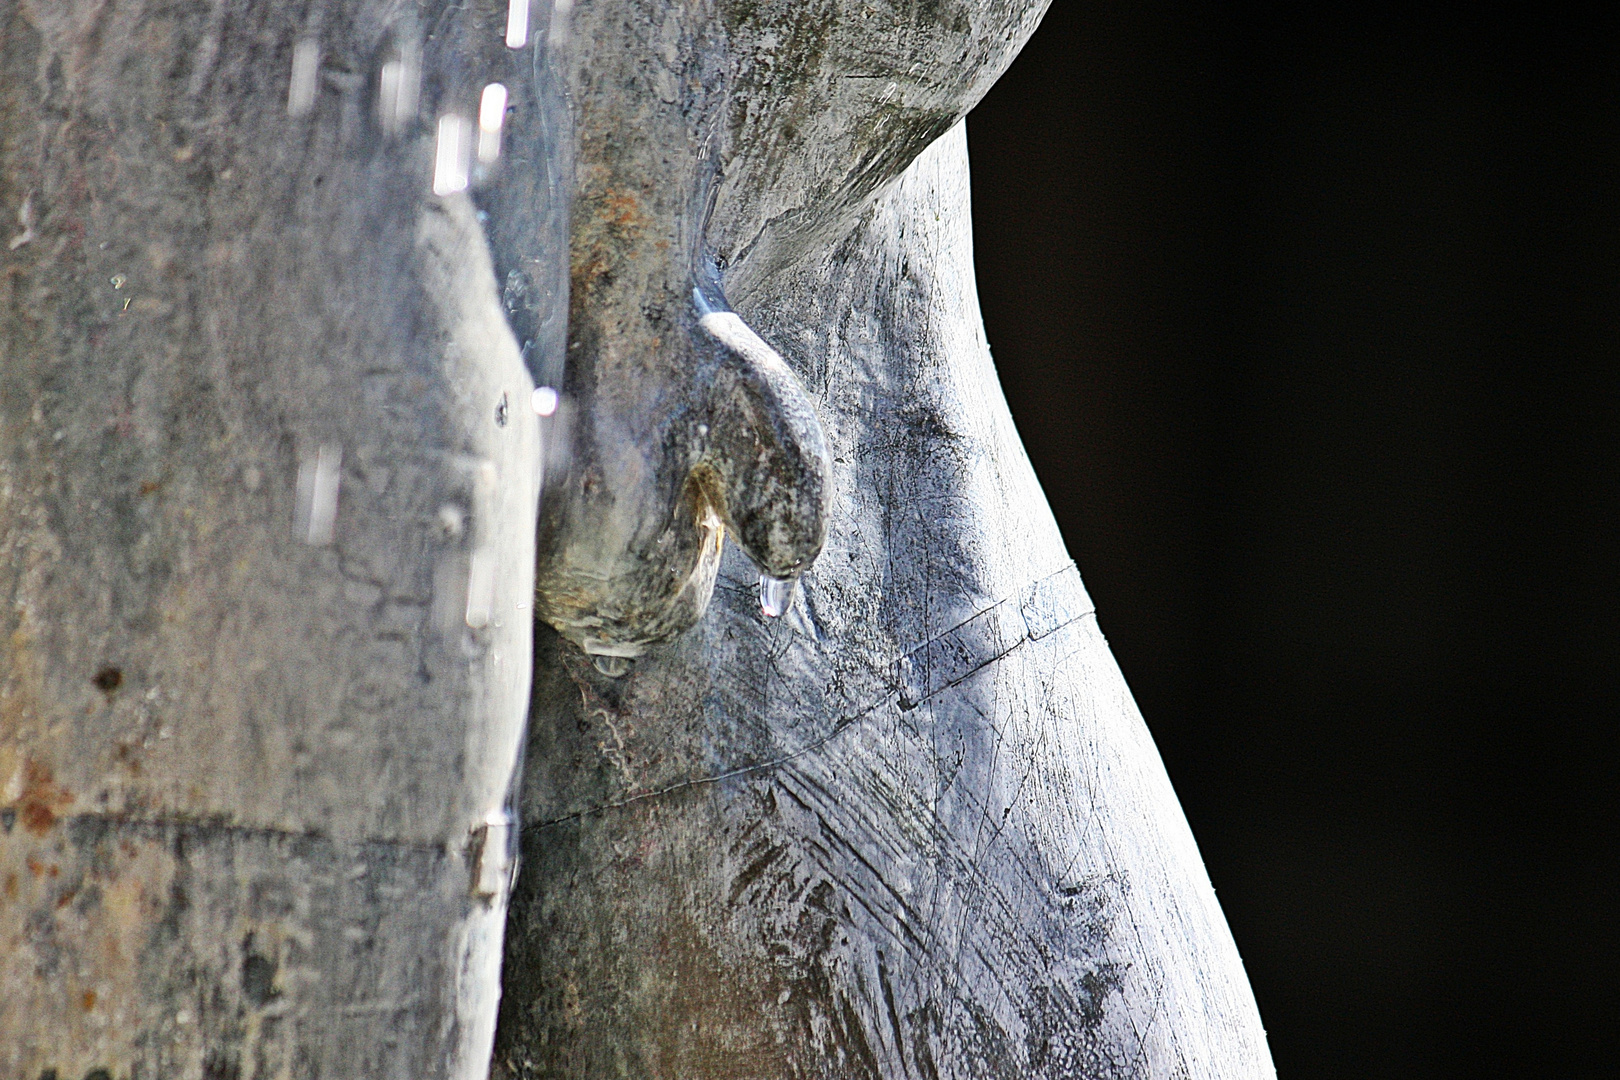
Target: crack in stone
x,y
896,695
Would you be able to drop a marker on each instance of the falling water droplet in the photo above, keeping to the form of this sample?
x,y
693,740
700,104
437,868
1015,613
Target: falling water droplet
x,y
775,594
491,117
613,667
517,24
451,155
558,33
544,400
301,87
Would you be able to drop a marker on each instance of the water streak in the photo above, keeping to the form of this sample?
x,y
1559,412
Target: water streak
x,y
319,476
398,88
450,159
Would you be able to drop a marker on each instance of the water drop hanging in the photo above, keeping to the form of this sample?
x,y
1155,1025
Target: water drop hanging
x,y
775,594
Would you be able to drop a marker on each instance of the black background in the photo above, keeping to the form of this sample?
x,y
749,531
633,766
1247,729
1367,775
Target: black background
x,y
1309,322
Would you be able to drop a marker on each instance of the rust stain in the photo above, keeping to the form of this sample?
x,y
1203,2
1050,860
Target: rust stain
x,y
612,222
39,869
41,799
88,1000
621,211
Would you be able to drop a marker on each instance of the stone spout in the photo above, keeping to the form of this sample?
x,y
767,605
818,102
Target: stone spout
x,y
717,144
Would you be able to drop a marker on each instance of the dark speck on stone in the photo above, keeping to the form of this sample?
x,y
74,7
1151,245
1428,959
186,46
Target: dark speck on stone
x,y
258,974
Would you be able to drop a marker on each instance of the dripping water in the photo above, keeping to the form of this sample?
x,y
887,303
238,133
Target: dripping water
x,y
775,594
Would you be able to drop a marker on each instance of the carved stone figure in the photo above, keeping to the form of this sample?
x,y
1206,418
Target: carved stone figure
x,y
913,826
310,310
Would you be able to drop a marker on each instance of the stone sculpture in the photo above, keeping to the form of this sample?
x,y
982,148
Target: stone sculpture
x,y
309,311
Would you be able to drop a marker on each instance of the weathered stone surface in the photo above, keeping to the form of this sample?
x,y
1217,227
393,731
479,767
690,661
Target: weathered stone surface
x,y
268,483
916,827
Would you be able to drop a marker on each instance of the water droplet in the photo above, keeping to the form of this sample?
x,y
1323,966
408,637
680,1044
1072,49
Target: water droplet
x,y
492,874
544,400
491,116
450,159
775,594
25,218
301,87
517,23
614,667
500,411
118,280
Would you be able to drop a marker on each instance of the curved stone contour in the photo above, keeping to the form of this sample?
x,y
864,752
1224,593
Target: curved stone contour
x,y
913,828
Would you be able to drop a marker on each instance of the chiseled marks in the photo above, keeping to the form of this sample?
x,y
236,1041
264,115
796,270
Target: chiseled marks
x,y
929,668
1033,612
949,847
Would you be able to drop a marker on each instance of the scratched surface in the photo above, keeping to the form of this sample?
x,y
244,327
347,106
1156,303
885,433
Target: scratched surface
x,y
914,828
